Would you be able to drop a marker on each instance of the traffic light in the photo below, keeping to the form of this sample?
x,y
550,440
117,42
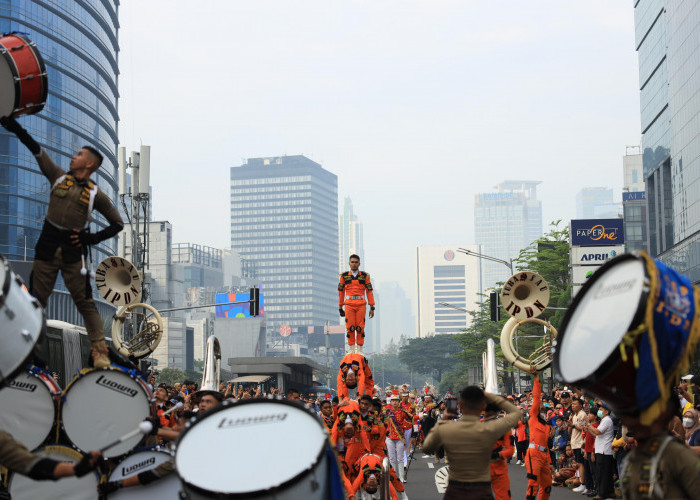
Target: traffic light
x,y
495,306
254,301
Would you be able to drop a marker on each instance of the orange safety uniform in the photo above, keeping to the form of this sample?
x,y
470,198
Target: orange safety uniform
x,y
537,460
500,481
352,448
367,465
359,365
351,294
377,434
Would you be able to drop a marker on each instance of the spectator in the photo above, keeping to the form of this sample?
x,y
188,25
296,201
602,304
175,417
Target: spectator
x,y
293,394
691,423
576,422
561,437
604,461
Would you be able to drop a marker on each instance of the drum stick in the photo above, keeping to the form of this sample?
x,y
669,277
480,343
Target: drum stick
x,y
176,407
144,428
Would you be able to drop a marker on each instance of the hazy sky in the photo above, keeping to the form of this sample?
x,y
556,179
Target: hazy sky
x,y
414,105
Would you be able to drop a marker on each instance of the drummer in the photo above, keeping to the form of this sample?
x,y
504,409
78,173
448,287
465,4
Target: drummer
x,y
17,458
65,237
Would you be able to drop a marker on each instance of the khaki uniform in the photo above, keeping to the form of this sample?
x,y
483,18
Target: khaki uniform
x,y
14,455
69,208
677,471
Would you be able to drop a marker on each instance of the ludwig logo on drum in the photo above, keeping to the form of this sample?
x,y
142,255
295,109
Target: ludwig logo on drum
x,y
127,471
23,386
261,419
116,386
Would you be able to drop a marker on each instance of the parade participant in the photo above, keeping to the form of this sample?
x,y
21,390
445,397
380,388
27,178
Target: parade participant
x,y
367,422
354,373
348,437
17,458
395,441
377,438
468,443
351,293
326,414
409,410
366,484
537,459
502,450
521,441
65,236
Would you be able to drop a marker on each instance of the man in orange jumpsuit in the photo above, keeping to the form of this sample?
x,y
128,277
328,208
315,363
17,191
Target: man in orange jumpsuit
x,y
369,476
537,461
349,438
354,373
351,294
502,450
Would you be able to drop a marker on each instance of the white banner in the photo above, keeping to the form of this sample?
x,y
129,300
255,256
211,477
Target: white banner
x,y
594,256
581,274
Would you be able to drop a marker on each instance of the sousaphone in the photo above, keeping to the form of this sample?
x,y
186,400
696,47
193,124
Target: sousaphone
x,y
136,327
525,296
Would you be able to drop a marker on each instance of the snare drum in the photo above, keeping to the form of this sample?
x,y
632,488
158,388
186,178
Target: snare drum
x,y
100,405
21,321
28,406
278,449
23,81
140,461
634,319
76,488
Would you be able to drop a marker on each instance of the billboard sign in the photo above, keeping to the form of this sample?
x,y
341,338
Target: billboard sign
x,y
594,256
236,310
597,232
581,274
634,196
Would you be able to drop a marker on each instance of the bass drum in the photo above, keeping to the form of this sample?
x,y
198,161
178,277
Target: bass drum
x,y
143,460
28,406
287,438
99,406
22,321
76,488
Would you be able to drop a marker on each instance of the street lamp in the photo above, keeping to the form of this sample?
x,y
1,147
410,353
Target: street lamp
x,y
507,263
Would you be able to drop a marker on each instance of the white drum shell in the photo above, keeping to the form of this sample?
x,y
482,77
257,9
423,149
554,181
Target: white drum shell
x,y
21,320
167,488
100,406
289,441
83,488
28,408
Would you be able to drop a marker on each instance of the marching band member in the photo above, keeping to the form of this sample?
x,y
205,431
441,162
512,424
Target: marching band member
x,y
537,459
366,484
348,437
409,410
354,373
395,441
351,293
326,414
64,239
502,450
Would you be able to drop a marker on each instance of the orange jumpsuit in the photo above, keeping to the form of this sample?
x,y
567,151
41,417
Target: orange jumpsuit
x,y
349,449
351,294
360,365
377,435
537,461
500,481
367,465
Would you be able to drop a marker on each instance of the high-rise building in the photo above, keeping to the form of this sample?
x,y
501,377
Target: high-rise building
x,y
78,42
351,236
505,222
596,203
395,315
634,201
284,218
667,35
448,276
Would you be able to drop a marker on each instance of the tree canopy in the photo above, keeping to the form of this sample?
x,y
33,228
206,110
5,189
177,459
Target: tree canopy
x,y
434,354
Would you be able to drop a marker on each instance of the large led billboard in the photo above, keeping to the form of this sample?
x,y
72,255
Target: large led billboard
x,y
236,310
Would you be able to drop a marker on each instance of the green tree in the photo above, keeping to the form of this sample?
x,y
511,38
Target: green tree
x,y
430,354
170,376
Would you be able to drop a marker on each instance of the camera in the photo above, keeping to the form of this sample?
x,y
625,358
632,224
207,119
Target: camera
x,y
451,405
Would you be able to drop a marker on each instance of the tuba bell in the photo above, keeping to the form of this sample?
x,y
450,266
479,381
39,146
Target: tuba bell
x,y
525,296
118,281
145,321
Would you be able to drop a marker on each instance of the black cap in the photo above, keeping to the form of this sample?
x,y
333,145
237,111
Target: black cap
x,y
565,395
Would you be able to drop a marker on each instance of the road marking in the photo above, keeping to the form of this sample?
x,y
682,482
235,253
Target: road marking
x,y
430,465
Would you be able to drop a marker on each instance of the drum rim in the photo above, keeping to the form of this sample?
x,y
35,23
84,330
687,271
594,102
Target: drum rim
x,y
607,363
15,71
97,473
257,493
8,280
143,449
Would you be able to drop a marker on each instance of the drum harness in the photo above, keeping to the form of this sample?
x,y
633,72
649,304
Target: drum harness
x,y
649,485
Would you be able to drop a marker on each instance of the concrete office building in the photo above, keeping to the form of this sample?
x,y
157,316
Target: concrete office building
x,y
634,201
596,203
445,275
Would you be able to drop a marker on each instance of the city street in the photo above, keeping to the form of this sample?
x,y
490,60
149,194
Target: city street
x,y
421,483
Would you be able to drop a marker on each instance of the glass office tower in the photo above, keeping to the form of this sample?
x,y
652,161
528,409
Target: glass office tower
x,y
667,35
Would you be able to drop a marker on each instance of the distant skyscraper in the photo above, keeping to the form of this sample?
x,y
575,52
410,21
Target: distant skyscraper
x,y
395,314
505,222
596,203
351,237
634,201
284,218
667,37
445,275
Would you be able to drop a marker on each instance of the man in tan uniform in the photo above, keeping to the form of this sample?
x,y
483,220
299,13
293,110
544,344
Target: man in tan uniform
x,y
65,237
17,458
469,442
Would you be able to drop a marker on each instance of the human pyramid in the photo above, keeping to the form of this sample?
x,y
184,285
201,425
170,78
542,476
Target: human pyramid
x,y
365,431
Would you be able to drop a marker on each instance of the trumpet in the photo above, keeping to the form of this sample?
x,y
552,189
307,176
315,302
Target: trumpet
x,y
525,296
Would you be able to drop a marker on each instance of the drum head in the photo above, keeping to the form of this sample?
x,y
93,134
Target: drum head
x,y
266,442
83,488
28,408
140,461
602,313
7,90
100,406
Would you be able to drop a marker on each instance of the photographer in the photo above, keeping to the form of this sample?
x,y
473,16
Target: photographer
x,y
469,442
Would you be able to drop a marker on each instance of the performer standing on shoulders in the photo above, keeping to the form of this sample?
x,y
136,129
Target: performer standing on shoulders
x,y
65,237
351,294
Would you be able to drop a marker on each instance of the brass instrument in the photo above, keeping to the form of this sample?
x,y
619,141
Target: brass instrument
x,y
118,281
148,324
490,369
525,296
212,365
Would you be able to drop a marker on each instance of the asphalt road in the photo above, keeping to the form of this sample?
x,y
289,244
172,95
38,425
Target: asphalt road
x,y
422,474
